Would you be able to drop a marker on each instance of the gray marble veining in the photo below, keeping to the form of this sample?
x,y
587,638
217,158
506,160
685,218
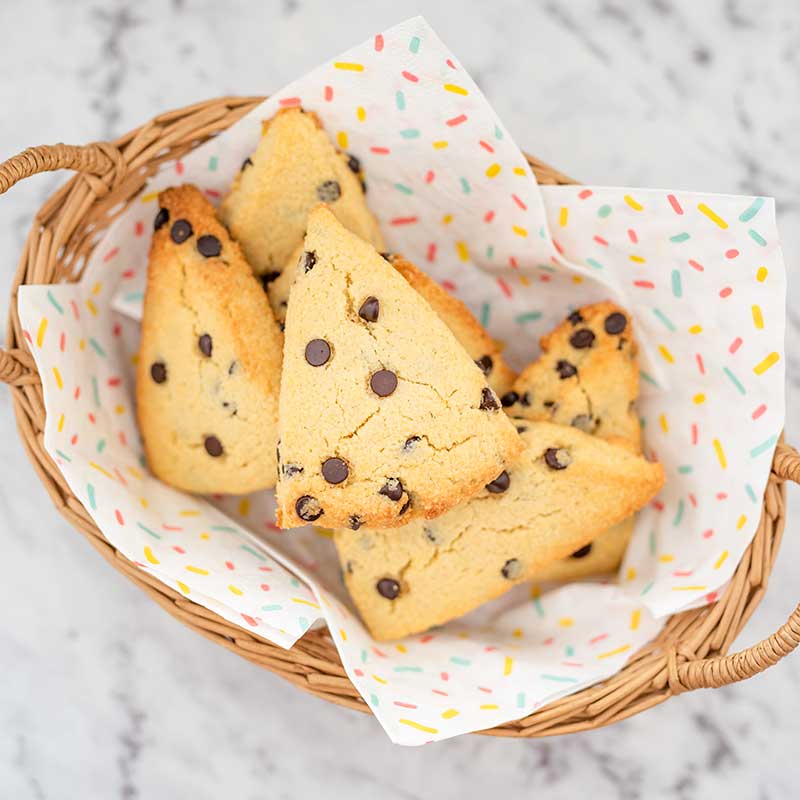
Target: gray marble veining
x,y
103,695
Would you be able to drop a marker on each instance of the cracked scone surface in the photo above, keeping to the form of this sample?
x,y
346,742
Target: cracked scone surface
x,y
207,382
294,167
564,488
383,415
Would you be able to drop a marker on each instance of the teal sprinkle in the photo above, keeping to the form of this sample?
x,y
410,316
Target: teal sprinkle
x,y
142,461
485,311
273,607
647,378
537,604
570,651
642,423
295,582
763,447
735,381
212,163
490,251
663,317
64,456
147,530
403,188
410,133
253,552
680,237
373,698
223,528
653,543
648,587
462,662
594,263
558,678
133,297
90,492
498,134
546,267
96,347
528,316
521,700
58,307
303,623
400,100
413,45
465,187
678,514
363,656
541,231
95,390
677,288
750,492
685,469
604,211
757,237
412,669
101,445
752,210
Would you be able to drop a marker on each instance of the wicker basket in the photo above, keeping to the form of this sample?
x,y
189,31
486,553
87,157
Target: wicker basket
x,y
689,653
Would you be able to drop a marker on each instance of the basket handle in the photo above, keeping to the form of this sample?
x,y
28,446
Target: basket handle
x,y
711,673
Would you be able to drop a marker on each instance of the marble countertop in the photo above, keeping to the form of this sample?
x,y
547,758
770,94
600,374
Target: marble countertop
x,y
103,695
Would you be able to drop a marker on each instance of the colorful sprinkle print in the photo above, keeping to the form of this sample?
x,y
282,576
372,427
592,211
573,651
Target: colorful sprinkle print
x,y
702,274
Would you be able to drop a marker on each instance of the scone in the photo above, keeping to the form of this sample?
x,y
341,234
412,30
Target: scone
x,y
293,169
561,492
470,333
383,416
207,384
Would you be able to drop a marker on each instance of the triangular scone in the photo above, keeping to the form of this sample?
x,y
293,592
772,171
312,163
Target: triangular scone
x,y
209,358
294,167
565,488
383,415
587,376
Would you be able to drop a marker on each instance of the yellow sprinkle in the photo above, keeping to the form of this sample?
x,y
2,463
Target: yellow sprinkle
x,y
493,170
636,617
695,329
519,231
517,633
689,588
440,144
134,357
361,114
343,634
721,560
349,66
119,409
100,469
204,536
447,219
463,635
189,513
563,216
615,652
667,356
577,278
451,87
325,533
662,421
135,472
341,139
304,602
91,306
57,375
637,259
401,648
633,204
61,423
412,724
764,365
143,502
519,171
244,506
379,680
761,275
146,198
40,333
148,554
566,622
508,665
82,344
630,574
741,522
489,707
183,587
536,591
758,318
723,462
524,280
463,252
449,714
196,570
715,218
96,288
666,558
235,590
699,398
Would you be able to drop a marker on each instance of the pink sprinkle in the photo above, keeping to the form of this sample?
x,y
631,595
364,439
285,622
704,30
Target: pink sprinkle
x,y
128,274
264,587
572,663
735,345
120,477
116,329
378,653
62,341
410,76
178,549
599,638
506,289
229,565
27,336
328,94
444,676
558,247
92,418
694,433
708,534
439,691
110,254
726,292
513,262
712,596
721,495
632,236
212,193
74,440
548,641
265,569
403,220
545,278
425,639
138,228
380,151
644,284
600,240
172,528
657,505
676,206
519,202
693,500
698,267
449,285
123,440
118,515
359,673
431,254
489,649
450,64
289,101
584,194
759,411
249,620
486,146
732,253
488,216
378,42
429,176
485,689
457,120
404,705
114,381
179,167
682,573
77,392
700,364
272,527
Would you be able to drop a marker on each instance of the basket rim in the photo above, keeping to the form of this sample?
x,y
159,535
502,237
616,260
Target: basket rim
x,y
688,653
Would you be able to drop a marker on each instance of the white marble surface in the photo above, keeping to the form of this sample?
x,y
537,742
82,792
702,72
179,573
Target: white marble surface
x,y
102,694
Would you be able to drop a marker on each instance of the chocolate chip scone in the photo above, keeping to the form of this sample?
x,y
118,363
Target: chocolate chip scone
x,y
383,415
556,497
293,169
210,356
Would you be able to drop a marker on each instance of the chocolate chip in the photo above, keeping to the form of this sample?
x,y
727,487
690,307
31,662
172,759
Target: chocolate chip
x,y
388,588
349,567
355,522
512,569
583,552
405,507
410,443
308,508
615,323
575,317
383,382
162,218
525,400
158,371
499,484
181,230
565,369
557,458
318,351
550,404
248,162
213,446
583,422
309,259
387,257
268,277
363,186
290,470
582,339
209,246
485,364
205,344
522,428
354,164
334,470
430,535
329,192
233,367
370,309
509,398
488,401
393,489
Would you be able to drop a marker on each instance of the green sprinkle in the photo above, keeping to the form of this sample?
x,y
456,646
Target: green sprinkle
x,y
498,134
410,133
663,317
752,210
408,669
466,188
648,587
570,651
400,100
90,492
653,543
373,698
680,237
363,656
757,237
101,445
558,678
95,391
403,188
272,607
485,311
750,492
413,45
490,251
604,211
212,163
735,381
763,447
58,307
253,552
685,469
678,514
528,316
224,528
521,700
594,263
537,604
147,530
677,288
303,623
462,662
133,297
96,347
647,378
64,456
295,583
546,267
